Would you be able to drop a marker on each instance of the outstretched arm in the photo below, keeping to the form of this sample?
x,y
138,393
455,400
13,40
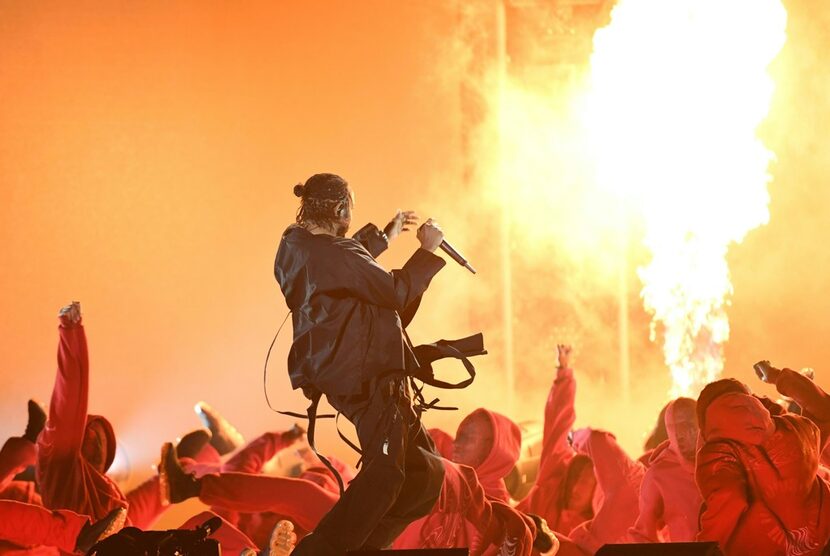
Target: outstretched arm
x,y
813,400
560,416
64,431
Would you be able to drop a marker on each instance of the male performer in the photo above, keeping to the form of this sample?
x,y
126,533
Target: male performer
x,y
349,316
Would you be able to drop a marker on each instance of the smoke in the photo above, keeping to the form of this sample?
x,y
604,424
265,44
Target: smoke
x,y
526,169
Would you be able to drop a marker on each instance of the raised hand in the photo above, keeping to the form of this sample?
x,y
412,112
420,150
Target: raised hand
x,y
70,314
564,355
401,222
430,235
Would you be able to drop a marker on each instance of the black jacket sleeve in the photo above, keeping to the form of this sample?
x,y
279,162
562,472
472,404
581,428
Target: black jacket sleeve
x,y
370,238
397,290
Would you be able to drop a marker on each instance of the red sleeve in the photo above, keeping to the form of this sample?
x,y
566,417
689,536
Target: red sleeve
x,y
651,512
813,400
303,500
253,457
498,523
64,430
559,420
722,482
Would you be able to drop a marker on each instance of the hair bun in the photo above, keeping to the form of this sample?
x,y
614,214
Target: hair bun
x,y
299,190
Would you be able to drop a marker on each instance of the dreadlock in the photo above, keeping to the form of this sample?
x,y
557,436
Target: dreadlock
x,y
320,195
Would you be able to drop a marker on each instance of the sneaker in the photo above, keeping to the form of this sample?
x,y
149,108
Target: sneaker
x,y
192,443
37,420
175,484
225,438
92,533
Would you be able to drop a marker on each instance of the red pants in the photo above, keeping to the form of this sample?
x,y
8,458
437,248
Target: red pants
x,y
303,501
27,525
145,500
15,456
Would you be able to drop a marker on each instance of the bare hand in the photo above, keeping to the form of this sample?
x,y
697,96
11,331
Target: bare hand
x,y
564,355
402,222
430,235
70,314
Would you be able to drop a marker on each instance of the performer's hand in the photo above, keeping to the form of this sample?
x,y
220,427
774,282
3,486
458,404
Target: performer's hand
x,y
430,235
70,314
400,223
564,355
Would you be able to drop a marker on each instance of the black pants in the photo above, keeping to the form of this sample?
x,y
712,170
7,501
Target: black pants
x,y
399,480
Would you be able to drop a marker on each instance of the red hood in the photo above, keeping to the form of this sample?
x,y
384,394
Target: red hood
x,y
671,429
507,443
108,432
443,442
739,417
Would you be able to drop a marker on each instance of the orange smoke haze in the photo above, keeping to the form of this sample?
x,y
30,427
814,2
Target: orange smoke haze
x,y
147,156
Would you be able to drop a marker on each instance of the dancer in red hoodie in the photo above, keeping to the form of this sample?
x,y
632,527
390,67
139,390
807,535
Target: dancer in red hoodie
x,y
669,498
473,509
618,480
564,489
757,469
75,449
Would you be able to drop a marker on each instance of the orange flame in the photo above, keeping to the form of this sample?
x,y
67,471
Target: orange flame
x,y
678,89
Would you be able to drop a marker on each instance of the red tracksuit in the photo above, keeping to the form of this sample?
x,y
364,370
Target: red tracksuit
x,y
39,530
669,498
472,501
305,500
618,479
545,497
67,480
761,489
15,456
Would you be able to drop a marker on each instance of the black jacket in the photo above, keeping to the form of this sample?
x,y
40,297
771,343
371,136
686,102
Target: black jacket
x,y
347,309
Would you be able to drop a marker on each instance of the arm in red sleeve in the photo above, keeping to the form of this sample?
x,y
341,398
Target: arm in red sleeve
x,y
498,523
722,482
559,420
304,502
814,401
651,512
64,431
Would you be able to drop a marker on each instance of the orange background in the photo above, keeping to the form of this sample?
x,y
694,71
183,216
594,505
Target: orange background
x,y
147,154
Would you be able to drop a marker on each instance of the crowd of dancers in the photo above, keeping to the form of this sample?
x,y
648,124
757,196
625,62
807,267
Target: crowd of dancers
x,y
730,467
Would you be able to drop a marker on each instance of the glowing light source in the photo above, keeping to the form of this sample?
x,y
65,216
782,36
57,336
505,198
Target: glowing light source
x,y
678,89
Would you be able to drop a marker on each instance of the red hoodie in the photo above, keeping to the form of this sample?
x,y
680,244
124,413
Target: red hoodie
x,y
546,496
669,496
471,502
758,476
618,480
67,480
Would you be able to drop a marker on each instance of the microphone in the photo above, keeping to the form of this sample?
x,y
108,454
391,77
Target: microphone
x,y
456,256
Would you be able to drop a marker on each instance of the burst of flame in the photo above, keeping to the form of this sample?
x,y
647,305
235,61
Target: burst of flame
x,y
678,90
